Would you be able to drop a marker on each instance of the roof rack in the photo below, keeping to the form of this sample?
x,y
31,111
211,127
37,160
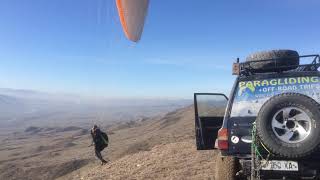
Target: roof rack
x,y
246,69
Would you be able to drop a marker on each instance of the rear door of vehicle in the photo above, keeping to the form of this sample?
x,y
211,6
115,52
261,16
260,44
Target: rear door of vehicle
x,y
209,114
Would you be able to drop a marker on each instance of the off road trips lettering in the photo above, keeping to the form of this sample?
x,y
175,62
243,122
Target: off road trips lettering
x,y
279,83
251,95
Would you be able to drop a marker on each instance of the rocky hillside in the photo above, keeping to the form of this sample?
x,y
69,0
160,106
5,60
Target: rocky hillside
x,y
159,148
162,147
177,160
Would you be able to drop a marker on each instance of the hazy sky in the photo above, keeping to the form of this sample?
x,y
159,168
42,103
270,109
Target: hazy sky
x,y
78,46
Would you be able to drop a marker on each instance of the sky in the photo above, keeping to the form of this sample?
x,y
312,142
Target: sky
x,y
77,46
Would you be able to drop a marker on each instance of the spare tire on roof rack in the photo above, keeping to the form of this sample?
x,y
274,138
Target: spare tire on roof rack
x,y
273,61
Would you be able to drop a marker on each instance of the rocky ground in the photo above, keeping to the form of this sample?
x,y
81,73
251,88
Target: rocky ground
x,y
170,161
149,148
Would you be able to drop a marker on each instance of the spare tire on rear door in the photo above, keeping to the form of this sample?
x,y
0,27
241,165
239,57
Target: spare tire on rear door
x,y
284,60
288,124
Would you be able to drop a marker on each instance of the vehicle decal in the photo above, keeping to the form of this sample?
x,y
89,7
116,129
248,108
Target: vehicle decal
x,y
251,95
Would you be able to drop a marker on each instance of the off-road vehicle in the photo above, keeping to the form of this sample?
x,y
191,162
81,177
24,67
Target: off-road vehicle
x,y
269,126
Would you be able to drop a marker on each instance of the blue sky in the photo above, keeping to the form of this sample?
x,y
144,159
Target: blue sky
x,y
77,46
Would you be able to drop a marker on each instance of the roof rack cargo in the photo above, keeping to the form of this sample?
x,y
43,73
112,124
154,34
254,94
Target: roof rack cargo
x,y
246,69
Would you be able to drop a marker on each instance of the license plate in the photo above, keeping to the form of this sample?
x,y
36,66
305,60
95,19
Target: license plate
x,y
280,165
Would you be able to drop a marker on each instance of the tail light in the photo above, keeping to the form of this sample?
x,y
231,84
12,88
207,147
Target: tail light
x,y
223,139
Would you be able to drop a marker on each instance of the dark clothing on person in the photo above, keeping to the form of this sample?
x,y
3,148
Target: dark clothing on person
x,y
97,139
99,144
99,156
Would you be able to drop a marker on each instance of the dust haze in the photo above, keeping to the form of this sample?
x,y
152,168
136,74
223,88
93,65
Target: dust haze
x,y
46,136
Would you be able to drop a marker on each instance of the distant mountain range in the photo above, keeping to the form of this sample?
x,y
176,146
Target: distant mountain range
x,y
10,104
28,107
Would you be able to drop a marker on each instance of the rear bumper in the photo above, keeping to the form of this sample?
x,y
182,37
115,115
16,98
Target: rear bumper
x,y
307,170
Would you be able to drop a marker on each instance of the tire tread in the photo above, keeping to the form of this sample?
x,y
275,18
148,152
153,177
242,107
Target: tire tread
x,y
280,151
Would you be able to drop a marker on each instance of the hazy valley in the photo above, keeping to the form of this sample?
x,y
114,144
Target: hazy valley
x,y
43,138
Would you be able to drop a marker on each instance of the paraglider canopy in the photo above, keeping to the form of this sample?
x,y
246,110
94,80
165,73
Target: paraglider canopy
x,y
132,15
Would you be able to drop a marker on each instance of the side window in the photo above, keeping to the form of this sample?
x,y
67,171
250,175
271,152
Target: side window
x,y
211,105
209,112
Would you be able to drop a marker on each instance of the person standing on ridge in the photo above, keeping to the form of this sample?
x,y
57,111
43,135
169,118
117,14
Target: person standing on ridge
x,y
100,141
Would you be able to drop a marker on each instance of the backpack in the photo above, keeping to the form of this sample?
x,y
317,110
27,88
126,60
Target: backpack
x,y
105,139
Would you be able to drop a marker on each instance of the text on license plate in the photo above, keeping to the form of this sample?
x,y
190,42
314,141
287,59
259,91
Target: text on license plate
x,y
280,165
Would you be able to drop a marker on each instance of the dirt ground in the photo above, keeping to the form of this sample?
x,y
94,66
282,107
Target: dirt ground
x,y
162,147
170,161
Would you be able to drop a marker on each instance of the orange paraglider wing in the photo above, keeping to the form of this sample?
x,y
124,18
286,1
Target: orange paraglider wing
x,y
132,15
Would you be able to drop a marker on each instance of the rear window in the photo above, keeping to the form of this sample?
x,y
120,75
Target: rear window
x,y
251,95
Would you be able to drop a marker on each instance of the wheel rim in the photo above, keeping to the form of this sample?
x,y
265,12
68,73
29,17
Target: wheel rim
x,y
291,124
